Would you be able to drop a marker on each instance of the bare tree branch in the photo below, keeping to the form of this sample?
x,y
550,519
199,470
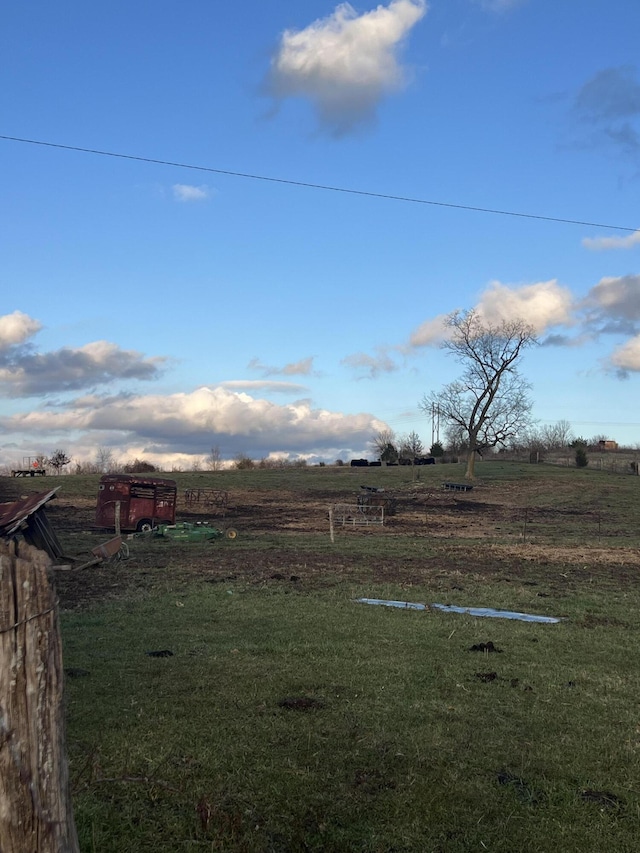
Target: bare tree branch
x,y
489,404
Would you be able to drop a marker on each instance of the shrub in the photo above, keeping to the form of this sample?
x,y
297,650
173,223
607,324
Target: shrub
x,y
139,466
243,462
437,449
581,458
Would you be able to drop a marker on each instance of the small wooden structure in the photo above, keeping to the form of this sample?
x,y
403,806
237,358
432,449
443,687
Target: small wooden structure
x,y
27,517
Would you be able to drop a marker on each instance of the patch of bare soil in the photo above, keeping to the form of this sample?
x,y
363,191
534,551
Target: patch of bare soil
x,y
301,703
442,519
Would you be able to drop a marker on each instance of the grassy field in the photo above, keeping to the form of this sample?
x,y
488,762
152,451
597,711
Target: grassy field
x,y
284,716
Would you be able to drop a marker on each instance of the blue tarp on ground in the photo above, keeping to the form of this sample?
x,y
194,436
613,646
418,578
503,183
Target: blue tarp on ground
x,y
472,611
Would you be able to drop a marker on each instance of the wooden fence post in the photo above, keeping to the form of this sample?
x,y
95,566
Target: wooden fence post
x,y
36,815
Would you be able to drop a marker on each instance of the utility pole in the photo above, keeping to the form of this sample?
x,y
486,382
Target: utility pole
x,y
435,423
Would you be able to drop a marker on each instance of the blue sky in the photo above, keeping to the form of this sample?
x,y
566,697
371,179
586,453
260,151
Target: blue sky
x,y
159,310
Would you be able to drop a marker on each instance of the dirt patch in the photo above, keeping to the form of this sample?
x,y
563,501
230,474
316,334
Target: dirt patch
x,y
372,781
458,536
301,703
485,647
486,677
592,620
523,790
605,799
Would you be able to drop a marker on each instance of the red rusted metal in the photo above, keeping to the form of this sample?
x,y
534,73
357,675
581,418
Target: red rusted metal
x,y
144,501
26,517
108,550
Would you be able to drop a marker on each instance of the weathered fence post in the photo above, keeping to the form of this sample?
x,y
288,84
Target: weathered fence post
x,y
36,815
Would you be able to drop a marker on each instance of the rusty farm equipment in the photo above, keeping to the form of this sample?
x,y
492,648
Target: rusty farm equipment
x,y
372,506
201,531
370,498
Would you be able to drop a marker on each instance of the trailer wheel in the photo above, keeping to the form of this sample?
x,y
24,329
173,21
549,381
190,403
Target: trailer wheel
x,y
231,533
145,525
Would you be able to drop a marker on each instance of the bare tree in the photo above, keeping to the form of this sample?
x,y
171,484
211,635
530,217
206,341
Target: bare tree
x,y
595,440
490,403
410,446
385,446
549,437
213,460
40,462
105,460
455,438
558,435
58,460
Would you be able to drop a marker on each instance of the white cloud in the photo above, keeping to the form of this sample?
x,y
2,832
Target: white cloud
x,y
430,333
303,367
190,423
605,243
185,192
16,329
266,386
611,94
542,305
608,109
615,298
371,366
626,357
345,63
25,373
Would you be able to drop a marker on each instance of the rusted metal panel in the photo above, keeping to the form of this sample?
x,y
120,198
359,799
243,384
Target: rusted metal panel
x,y
27,517
13,515
107,550
206,497
144,501
370,497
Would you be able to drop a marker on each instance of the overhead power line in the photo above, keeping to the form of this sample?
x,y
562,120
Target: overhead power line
x,y
309,185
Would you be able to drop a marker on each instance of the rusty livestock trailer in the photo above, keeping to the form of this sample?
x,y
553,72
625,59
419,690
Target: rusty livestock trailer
x,y
143,502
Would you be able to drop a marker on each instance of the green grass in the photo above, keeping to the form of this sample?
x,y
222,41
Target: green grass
x,y
407,750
